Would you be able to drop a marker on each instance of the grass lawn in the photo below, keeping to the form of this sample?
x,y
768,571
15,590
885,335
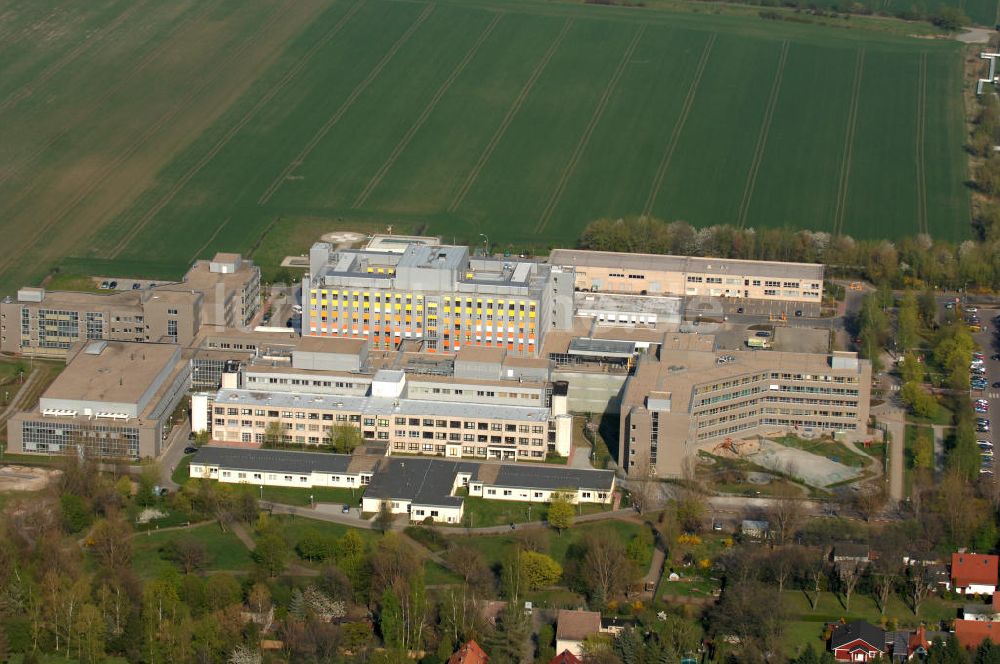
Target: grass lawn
x,y
437,575
300,497
806,625
225,551
828,448
523,121
182,473
482,512
61,281
495,547
294,527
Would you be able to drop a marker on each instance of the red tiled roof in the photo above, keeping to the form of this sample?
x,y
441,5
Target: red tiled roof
x,y
974,568
470,653
970,633
565,657
917,640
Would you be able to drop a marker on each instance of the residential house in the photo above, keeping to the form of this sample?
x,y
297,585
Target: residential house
x,y
857,642
470,653
565,657
974,573
970,633
572,627
906,645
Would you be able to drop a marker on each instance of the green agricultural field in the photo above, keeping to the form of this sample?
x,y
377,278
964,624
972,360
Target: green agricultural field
x,y
139,136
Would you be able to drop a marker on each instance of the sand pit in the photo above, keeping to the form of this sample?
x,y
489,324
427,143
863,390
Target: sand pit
x,y
341,237
26,478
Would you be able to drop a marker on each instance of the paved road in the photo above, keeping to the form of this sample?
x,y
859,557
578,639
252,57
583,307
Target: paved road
x,y
172,453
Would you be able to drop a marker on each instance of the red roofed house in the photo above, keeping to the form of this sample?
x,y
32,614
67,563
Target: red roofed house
x,y
565,657
470,653
974,573
857,642
918,645
970,633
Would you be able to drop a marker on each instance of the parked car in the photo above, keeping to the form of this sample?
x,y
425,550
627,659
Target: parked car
x,y
190,449
764,334
978,356
113,285
798,313
346,509
136,286
972,310
104,285
739,310
949,305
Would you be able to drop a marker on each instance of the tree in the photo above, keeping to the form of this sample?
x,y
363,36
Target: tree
x,y
384,518
508,644
963,458
785,513
111,543
74,513
188,552
538,570
344,438
917,585
273,433
948,18
869,500
784,563
468,562
848,574
923,449
561,511
607,568
907,323
754,614
271,553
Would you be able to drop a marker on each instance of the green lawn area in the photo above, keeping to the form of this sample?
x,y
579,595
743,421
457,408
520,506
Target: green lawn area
x,y
495,547
437,575
294,527
806,625
182,473
321,494
828,448
61,281
943,416
225,550
482,512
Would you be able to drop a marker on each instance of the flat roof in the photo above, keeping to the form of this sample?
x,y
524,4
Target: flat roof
x,y
419,480
385,406
337,345
552,477
272,461
663,305
121,372
696,264
601,347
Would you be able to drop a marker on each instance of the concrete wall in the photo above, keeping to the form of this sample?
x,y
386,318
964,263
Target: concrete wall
x,y
593,392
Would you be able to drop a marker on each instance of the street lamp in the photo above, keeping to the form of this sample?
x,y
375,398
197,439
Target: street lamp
x,y
262,492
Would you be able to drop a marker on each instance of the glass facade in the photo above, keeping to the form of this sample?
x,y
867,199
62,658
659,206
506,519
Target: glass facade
x,y
106,440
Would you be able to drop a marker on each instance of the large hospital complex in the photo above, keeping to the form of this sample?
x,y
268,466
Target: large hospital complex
x,y
431,352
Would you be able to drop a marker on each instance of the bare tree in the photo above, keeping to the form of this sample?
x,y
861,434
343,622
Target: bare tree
x,y
783,563
870,500
786,511
849,574
917,585
817,572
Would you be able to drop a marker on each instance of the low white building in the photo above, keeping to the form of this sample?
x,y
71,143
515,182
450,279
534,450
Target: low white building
x,y
281,468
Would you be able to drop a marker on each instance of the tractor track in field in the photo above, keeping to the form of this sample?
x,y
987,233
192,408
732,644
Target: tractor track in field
x,y
332,121
5,35
215,234
29,88
261,103
508,118
765,129
151,130
380,174
675,135
588,132
99,102
922,226
840,210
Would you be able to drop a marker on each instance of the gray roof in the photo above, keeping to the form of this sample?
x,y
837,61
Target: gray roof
x,y
601,347
421,481
520,476
380,405
859,629
271,461
697,264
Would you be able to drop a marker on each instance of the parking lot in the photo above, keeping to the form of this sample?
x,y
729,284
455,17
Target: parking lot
x,y
989,347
